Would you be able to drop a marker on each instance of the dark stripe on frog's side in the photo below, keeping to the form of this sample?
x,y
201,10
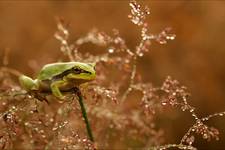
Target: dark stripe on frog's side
x,y
60,76
65,73
45,84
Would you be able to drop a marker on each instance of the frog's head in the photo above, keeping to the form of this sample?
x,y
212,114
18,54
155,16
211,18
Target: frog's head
x,y
83,71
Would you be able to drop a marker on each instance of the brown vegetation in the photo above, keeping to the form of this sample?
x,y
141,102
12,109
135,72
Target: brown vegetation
x,y
122,108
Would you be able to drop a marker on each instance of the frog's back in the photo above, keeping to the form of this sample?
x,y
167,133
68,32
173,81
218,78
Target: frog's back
x,y
51,70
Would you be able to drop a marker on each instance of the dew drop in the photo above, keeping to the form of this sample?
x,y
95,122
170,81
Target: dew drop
x,y
111,50
206,119
135,20
190,140
41,131
162,42
84,140
170,37
221,114
205,136
140,54
64,42
164,103
51,120
55,128
65,32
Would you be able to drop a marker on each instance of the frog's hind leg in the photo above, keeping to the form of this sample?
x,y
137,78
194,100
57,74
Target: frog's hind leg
x,y
28,83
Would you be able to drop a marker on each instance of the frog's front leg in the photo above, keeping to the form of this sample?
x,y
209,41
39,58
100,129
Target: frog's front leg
x,y
55,88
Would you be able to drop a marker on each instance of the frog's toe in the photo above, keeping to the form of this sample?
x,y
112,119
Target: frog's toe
x,y
59,96
62,97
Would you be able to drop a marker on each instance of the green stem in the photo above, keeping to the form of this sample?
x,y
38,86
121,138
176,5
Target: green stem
x,y
84,114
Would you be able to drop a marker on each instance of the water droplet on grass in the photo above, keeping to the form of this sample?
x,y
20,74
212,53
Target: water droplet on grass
x,y
111,50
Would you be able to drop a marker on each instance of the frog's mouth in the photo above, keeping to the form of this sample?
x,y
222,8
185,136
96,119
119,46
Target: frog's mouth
x,y
79,81
83,76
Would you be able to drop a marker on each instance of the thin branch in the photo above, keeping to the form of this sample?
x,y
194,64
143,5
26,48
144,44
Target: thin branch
x,y
133,74
11,71
179,146
84,114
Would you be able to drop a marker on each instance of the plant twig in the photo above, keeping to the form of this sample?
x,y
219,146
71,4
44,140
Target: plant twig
x,y
132,76
84,114
11,71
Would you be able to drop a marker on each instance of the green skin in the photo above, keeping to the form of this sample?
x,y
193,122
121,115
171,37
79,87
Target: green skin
x,y
58,77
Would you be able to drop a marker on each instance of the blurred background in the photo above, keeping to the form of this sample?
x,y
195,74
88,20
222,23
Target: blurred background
x,y
196,57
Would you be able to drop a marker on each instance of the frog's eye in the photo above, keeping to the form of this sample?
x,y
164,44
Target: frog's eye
x,y
77,70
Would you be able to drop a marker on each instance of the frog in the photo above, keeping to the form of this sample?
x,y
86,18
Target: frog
x,y
59,77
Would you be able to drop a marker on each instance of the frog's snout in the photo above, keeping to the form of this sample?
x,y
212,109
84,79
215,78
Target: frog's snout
x,y
93,75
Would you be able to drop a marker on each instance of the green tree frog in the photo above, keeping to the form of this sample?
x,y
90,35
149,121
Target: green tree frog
x,y
58,77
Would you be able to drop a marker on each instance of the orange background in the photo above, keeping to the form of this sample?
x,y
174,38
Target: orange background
x,y
196,57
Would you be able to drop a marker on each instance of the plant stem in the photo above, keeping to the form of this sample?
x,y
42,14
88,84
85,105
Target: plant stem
x,y
84,114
